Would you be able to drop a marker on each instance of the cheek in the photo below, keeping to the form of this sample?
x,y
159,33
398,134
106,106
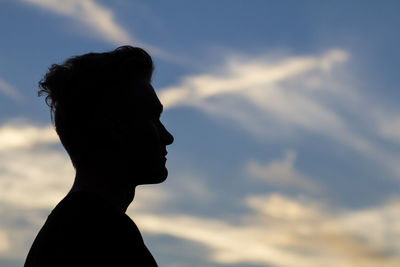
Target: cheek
x,y
147,141
151,135
141,142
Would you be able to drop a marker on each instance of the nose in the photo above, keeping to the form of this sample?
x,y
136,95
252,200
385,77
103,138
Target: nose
x,y
166,137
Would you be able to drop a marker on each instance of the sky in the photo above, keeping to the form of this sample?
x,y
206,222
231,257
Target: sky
x,y
285,117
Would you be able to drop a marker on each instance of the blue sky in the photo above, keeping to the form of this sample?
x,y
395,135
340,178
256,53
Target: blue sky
x,y
285,117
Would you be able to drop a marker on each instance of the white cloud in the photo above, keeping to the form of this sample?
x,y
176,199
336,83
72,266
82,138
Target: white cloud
x,y
281,172
150,197
291,232
4,242
34,178
96,17
280,231
280,99
34,175
18,135
270,97
376,225
388,125
180,187
244,75
9,90
99,21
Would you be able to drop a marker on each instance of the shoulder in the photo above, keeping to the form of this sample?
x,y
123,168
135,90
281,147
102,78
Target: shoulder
x,y
83,229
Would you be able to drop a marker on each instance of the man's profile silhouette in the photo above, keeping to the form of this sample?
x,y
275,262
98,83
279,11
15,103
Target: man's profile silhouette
x,y
107,116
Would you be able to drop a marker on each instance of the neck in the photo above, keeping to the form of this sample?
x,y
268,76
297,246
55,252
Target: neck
x,y
106,186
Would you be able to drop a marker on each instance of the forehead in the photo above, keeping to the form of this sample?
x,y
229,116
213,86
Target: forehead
x,y
145,97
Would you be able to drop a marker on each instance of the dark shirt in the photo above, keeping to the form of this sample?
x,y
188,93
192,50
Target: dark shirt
x,y
84,230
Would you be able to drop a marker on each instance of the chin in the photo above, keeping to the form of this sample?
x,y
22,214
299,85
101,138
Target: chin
x,y
156,178
161,177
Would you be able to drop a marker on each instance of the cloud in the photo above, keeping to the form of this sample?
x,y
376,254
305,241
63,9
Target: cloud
x,y
34,176
281,173
181,189
388,125
17,136
100,21
150,198
19,225
244,75
291,232
277,230
262,95
4,242
9,90
276,99
96,17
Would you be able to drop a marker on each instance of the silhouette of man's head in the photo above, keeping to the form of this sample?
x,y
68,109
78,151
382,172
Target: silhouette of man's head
x,y
107,114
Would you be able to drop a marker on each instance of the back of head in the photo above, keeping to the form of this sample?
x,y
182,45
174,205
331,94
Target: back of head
x,y
88,91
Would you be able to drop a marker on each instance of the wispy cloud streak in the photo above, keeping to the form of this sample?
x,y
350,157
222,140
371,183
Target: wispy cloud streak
x,y
100,21
261,95
279,99
9,90
287,232
244,75
16,136
96,17
281,173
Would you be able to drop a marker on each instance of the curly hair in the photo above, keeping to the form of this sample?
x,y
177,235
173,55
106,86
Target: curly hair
x,y
82,88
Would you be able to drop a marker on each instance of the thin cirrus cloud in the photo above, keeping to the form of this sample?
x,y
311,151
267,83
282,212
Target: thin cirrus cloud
x,y
280,99
238,75
281,173
99,19
284,231
9,90
259,93
95,16
388,125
